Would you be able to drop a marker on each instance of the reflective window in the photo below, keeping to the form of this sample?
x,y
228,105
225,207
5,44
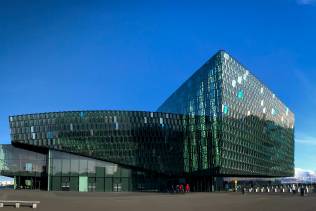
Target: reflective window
x,y
240,94
225,109
234,83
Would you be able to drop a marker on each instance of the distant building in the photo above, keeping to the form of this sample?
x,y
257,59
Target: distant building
x,y
6,183
222,122
301,176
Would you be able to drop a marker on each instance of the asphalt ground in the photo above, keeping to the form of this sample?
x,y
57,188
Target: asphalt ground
x,y
75,201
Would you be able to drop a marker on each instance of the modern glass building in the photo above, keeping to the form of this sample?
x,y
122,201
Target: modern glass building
x,y
222,122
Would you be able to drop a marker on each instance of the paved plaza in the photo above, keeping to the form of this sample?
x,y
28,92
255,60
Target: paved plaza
x,y
75,201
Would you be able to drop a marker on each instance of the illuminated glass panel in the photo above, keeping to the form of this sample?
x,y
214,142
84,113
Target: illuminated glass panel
x,y
240,94
225,109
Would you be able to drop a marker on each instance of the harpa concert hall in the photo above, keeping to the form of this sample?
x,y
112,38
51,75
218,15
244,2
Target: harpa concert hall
x,y
221,122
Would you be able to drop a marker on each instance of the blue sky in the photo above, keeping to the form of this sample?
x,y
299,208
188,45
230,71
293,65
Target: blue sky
x,y
72,55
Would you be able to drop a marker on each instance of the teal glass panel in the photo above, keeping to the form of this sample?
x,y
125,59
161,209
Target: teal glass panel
x,y
225,110
83,183
240,94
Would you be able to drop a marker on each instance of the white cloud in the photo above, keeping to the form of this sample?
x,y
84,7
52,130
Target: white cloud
x,y
304,173
306,2
3,179
301,176
306,140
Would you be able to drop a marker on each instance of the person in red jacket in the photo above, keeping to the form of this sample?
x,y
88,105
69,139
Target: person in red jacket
x,y
180,188
187,188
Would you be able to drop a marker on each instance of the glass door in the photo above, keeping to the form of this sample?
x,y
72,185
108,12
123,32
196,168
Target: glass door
x,y
83,184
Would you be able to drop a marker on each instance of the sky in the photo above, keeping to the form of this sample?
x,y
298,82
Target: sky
x,y
66,55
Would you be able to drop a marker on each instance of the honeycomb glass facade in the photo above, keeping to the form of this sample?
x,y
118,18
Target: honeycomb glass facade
x,y
251,132
257,129
222,122
146,140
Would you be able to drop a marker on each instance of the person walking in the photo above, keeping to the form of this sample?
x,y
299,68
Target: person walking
x,y
181,188
187,188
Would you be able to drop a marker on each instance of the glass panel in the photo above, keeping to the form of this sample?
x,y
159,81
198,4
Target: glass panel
x,y
83,166
83,183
